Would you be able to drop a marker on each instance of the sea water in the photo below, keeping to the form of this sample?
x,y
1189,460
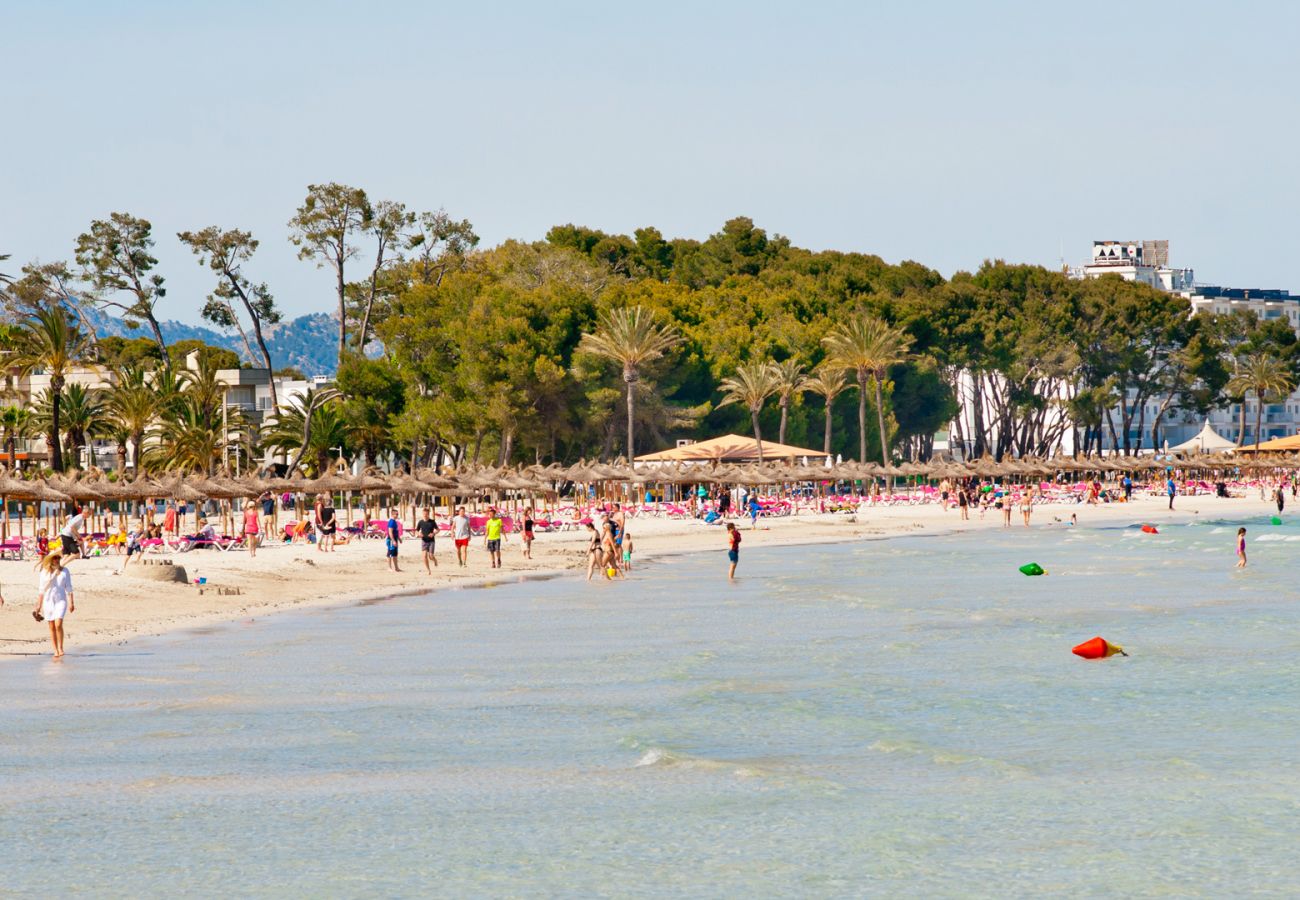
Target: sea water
x,y
891,718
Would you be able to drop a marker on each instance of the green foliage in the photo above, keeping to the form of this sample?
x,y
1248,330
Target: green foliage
x,y
114,352
214,357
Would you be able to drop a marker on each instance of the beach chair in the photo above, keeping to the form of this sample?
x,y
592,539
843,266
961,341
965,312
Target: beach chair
x,y
13,549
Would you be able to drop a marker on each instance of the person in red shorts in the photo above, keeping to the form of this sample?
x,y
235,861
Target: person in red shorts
x,y
460,534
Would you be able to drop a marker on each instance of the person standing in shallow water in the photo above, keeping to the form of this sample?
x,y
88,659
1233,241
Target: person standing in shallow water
x,y
55,599
733,553
1241,548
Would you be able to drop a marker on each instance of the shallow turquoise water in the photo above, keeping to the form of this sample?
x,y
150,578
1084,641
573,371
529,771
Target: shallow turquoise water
x,y
896,718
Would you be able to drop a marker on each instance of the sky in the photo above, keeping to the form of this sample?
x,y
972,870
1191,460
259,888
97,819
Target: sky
x,y
947,133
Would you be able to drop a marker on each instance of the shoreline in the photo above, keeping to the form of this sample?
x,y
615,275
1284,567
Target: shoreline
x,y
113,610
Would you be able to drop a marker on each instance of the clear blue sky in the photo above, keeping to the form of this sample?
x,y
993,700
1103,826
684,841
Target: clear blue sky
x,y
942,132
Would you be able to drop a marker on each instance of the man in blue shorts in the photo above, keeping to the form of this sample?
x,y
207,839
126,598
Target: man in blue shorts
x,y
394,539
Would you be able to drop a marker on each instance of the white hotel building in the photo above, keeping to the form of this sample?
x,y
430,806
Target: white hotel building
x,y
1148,262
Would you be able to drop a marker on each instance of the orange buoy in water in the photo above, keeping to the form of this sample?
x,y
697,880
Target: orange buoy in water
x,y
1098,648
1149,529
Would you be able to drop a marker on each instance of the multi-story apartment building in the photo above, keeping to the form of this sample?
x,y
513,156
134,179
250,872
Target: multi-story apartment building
x,y
1148,262
248,390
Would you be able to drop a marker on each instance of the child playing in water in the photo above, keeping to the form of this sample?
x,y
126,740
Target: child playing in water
x,y
627,551
1241,548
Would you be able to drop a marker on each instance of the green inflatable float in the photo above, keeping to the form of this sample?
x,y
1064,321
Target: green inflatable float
x,y
1277,520
1032,569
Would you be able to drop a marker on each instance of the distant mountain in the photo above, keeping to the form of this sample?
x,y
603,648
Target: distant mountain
x,y
309,343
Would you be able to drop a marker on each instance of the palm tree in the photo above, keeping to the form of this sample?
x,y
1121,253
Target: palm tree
x,y
16,423
868,346
48,341
752,385
631,338
1267,377
790,381
82,417
203,387
326,431
829,383
295,426
191,439
132,405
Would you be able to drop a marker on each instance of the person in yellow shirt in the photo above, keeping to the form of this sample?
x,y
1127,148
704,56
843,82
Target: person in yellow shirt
x,y
493,534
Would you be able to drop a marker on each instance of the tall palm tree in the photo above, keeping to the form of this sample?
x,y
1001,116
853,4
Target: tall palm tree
x,y
751,386
16,424
83,417
1267,377
132,405
868,346
790,381
48,341
827,383
632,338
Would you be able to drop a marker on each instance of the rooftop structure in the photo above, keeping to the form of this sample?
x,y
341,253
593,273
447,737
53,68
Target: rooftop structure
x,y
1146,262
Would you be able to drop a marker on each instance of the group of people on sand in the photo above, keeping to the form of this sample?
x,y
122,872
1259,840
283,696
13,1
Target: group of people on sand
x,y
495,533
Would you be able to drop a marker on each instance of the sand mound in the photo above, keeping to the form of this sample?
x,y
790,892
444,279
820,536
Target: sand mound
x,y
159,573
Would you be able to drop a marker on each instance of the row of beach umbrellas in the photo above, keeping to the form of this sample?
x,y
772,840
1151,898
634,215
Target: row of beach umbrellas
x,y
94,486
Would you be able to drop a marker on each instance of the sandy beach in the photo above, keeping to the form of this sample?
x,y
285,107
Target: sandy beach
x,y
114,609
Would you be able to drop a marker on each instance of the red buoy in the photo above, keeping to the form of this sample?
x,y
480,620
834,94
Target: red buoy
x,y
1149,529
1098,648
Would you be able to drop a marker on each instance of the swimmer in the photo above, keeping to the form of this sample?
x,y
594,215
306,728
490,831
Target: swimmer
x,y
1241,548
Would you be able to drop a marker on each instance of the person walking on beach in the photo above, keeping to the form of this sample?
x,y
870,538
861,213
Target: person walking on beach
x,y
460,535
1241,548
70,534
327,524
492,536
754,509
393,539
134,544
55,599
1027,505
252,528
1127,483
733,551
428,529
1172,489
963,501
528,533
1281,498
